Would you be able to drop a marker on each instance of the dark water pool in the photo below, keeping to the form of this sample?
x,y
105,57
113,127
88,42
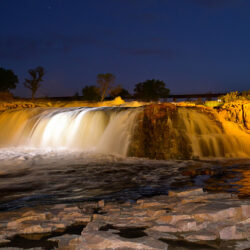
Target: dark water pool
x,y
31,177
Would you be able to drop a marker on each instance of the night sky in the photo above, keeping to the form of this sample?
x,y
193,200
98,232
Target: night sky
x,y
194,46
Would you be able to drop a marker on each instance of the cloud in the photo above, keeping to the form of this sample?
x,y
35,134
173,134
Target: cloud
x,y
20,47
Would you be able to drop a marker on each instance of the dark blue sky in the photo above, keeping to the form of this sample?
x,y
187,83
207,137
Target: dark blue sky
x,y
192,45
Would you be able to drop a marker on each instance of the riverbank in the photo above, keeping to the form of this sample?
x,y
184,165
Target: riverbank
x,y
107,201
44,103
191,219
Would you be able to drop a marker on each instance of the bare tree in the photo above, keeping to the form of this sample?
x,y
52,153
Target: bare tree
x,y
105,83
36,78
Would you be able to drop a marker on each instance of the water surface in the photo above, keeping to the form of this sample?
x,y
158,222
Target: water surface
x,y
30,177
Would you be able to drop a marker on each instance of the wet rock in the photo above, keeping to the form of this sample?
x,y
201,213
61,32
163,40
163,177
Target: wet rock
x,y
191,192
101,203
172,218
154,136
197,217
36,229
242,245
67,241
217,212
186,225
200,236
233,233
160,235
94,226
155,213
245,210
3,240
106,240
165,228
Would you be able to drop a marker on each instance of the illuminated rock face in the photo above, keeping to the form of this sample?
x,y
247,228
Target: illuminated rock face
x,y
238,112
157,131
167,132
160,134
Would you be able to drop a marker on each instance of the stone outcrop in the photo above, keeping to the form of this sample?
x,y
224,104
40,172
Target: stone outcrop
x,y
153,223
237,112
159,134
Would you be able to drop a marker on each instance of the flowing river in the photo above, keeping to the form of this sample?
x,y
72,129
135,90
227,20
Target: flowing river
x,y
60,155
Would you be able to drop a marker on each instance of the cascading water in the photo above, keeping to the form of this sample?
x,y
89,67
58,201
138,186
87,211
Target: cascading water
x,y
187,133
60,155
210,137
105,130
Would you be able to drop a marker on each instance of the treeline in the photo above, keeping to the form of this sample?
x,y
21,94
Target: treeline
x,y
9,80
105,88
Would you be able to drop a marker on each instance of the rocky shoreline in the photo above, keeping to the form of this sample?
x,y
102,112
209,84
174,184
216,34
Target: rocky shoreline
x,y
189,219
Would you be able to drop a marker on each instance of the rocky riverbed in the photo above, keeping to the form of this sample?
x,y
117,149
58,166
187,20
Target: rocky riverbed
x,y
53,200
190,219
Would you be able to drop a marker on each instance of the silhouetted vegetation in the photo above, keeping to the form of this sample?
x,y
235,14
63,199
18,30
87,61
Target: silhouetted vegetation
x,y
246,94
91,93
36,77
76,95
235,96
151,90
8,80
119,91
105,84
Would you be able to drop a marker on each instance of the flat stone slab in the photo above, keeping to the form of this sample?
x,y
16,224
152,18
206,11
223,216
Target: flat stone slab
x,y
190,216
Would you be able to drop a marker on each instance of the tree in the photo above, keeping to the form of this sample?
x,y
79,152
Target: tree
x,y
151,90
105,84
36,77
91,93
8,80
119,91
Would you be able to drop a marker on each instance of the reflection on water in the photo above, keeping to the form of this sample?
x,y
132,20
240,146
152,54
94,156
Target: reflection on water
x,y
31,177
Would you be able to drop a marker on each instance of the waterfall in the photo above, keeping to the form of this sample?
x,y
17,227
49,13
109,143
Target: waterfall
x,y
105,130
175,133
212,137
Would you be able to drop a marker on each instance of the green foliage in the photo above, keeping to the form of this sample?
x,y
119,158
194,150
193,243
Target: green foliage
x,y
150,90
235,96
36,77
105,84
8,80
119,91
91,93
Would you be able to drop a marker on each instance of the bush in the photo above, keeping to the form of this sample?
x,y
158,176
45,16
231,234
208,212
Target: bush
x,y
235,96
